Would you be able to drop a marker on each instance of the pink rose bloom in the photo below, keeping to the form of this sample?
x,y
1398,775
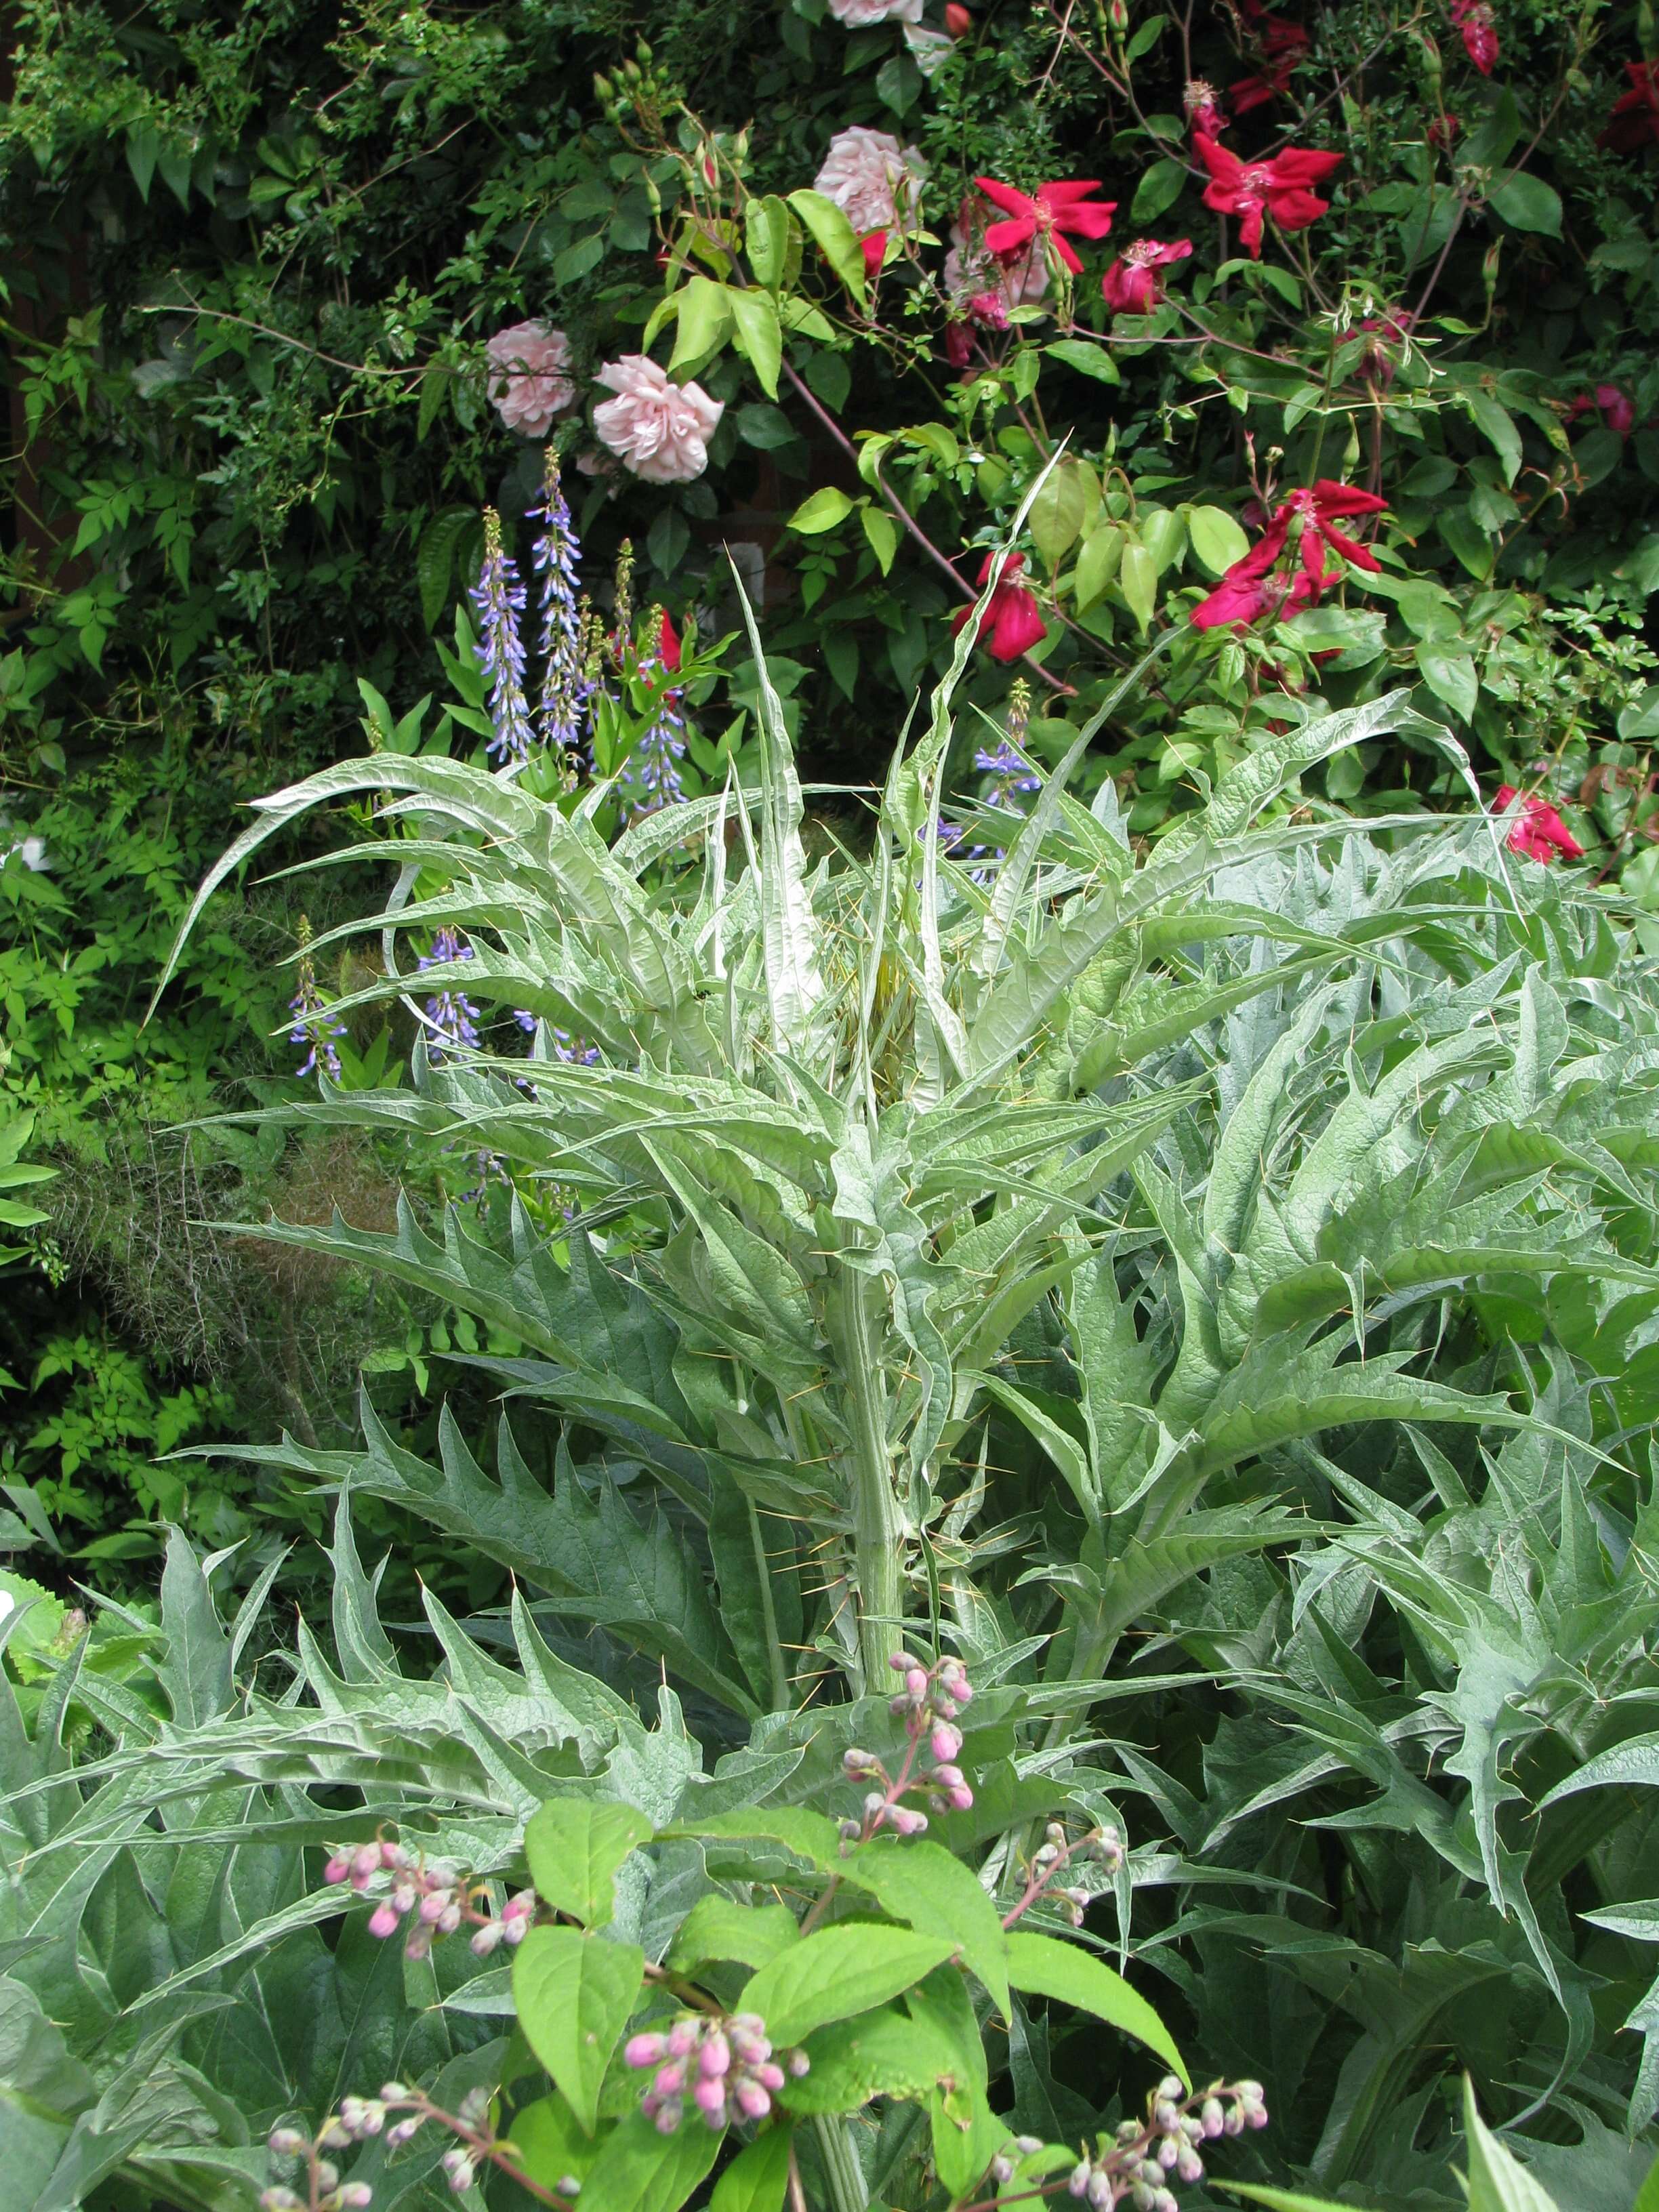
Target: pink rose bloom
x,y
974,274
1131,286
874,180
859,14
530,383
659,429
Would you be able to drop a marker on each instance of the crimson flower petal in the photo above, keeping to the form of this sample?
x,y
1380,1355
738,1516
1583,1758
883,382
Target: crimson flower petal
x,y
1005,198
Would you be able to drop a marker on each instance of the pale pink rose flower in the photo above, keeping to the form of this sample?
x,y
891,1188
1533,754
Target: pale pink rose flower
x,y
660,429
859,14
528,384
874,180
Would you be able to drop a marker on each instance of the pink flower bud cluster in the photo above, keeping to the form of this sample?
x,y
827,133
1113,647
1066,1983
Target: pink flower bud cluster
x,y
1002,2165
358,2118
1105,1846
1137,2169
438,1898
723,2064
929,1705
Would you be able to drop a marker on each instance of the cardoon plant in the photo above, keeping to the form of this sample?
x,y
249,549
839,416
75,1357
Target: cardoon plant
x,y
976,1303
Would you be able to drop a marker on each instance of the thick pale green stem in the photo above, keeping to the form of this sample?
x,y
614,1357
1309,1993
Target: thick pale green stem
x,y
840,2165
877,1533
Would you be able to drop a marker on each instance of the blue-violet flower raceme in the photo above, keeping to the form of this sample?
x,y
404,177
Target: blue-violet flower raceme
x,y
499,599
452,1015
566,686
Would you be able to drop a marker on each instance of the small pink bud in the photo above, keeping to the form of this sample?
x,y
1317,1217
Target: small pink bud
x,y
710,2096
666,2117
365,1861
799,2064
485,1939
670,2079
645,2049
383,1922
917,1682
449,1919
682,2038
752,2100
337,1869
433,1904
961,1799
715,2056
946,1741
769,2074
392,1855
902,1663
907,1822
949,1777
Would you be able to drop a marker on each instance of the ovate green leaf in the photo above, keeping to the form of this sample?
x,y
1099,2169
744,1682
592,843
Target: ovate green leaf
x,y
574,1993
1043,1967
838,1972
637,2170
931,1890
574,1848
757,2178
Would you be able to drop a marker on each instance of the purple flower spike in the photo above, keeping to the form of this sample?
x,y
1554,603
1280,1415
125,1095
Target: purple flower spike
x,y
566,686
453,1016
499,599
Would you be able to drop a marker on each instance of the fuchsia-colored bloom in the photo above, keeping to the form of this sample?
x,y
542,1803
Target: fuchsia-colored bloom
x,y
1045,216
1013,622
958,20
1249,590
1634,121
1282,47
1615,405
1202,106
1479,27
1131,286
1538,833
1253,190
668,644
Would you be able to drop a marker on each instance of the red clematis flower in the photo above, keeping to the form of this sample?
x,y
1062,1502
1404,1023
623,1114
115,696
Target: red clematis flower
x,y
1634,122
1054,210
1282,47
1538,833
1131,286
1253,190
1013,622
1202,104
1616,407
1238,601
1479,27
958,20
873,246
668,645
1315,511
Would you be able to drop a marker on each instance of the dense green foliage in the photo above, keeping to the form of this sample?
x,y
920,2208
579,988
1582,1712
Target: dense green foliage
x,y
1206,1301
1150,1208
